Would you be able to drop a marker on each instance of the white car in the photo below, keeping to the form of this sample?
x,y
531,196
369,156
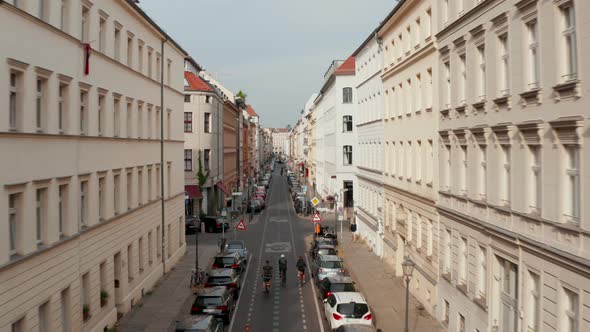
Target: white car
x,y
344,308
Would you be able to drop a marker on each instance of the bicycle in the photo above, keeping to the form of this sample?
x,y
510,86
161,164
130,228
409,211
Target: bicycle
x,y
197,277
301,277
266,286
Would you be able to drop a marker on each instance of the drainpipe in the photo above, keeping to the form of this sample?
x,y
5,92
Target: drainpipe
x,y
162,154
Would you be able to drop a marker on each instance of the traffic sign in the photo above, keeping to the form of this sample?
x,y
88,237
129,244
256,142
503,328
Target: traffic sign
x,y
316,218
315,201
241,225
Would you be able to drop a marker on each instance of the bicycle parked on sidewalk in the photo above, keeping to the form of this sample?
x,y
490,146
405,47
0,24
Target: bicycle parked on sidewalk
x,y
197,277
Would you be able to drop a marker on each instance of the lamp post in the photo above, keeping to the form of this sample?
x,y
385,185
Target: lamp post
x,y
408,269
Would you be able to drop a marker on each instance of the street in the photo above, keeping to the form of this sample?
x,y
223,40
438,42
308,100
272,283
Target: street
x,y
278,231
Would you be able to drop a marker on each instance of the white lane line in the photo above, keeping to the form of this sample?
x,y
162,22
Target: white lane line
x,y
233,316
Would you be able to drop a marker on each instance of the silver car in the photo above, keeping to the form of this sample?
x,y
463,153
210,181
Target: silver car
x,y
327,265
237,246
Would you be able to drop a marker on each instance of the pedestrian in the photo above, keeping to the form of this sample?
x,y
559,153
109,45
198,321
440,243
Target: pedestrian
x,y
353,230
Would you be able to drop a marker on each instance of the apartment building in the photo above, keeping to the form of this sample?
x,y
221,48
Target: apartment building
x,y
410,124
230,145
279,137
513,249
254,158
203,144
369,135
91,216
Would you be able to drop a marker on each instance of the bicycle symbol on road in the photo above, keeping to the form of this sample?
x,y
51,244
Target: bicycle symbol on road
x,y
278,247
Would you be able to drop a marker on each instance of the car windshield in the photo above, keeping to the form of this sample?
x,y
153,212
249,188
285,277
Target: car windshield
x,y
224,260
209,300
331,264
353,310
346,287
234,246
219,280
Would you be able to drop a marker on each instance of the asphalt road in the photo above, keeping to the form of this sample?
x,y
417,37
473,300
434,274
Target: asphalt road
x,y
277,231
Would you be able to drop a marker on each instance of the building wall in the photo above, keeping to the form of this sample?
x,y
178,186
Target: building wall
x,y
230,174
37,273
411,119
512,167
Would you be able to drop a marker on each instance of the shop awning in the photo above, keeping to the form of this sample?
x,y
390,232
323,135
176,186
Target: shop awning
x,y
193,191
221,186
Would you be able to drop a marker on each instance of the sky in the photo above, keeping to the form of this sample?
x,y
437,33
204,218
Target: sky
x,y
276,51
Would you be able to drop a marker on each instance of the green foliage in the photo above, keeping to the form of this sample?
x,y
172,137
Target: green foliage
x,y
201,176
242,95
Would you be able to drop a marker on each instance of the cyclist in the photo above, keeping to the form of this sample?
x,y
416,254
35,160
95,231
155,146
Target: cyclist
x,y
301,267
283,267
267,275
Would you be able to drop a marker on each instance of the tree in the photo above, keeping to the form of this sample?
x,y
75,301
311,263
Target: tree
x,y
202,177
242,95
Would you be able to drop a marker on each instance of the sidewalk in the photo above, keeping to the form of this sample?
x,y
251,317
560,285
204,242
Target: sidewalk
x,y
171,297
384,291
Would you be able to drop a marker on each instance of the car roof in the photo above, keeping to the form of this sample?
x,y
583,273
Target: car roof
x,y
212,291
236,241
355,328
227,254
322,245
224,272
346,297
194,322
330,258
340,279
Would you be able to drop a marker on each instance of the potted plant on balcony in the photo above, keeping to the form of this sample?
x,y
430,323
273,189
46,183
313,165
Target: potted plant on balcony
x,y
85,312
104,298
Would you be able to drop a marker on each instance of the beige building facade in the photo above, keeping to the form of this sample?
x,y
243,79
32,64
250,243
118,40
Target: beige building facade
x,y
82,237
410,127
513,165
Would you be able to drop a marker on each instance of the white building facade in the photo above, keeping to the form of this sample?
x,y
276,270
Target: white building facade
x,y
410,123
279,138
87,222
513,166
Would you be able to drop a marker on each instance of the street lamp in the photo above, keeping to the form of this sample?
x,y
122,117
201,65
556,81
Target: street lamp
x,y
408,269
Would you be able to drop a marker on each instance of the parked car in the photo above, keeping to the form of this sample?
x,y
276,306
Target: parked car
x,y
216,301
265,183
229,260
214,224
326,266
323,249
357,328
238,246
254,206
335,284
345,308
224,277
191,224
261,202
199,323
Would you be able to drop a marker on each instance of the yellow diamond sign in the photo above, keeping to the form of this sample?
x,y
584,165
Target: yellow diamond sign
x,y
315,201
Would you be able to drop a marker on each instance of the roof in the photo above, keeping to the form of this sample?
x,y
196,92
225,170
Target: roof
x,y
347,68
251,111
350,297
196,83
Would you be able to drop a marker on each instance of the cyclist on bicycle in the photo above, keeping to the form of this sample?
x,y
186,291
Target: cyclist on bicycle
x,y
301,266
283,267
267,274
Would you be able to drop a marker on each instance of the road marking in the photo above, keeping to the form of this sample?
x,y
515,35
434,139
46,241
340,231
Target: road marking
x,y
233,316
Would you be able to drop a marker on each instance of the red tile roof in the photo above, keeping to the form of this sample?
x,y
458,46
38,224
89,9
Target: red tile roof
x,y
347,68
251,111
196,83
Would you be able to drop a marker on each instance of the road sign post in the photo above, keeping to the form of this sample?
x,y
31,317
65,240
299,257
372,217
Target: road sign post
x,y
316,217
241,225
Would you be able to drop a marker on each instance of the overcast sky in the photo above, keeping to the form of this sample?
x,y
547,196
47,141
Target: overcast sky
x,y
275,50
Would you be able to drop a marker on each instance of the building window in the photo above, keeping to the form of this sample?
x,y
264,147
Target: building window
x,y
505,172
129,122
65,310
13,221
129,50
445,12
570,61
149,121
347,123
117,40
188,160
533,302
532,55
116,116
463,79
129,190
83,203
149,184
187,98
63,12
150,251
572,184
158,123
418,163
463,262
206,159
101,199
14,106
429,22
139,56
446,312
429,162
140,187
207,123
504,75
130,272
83,111
62,207
139,120
61,107
447,252
535,180
158,183
149,62
463,171
569,311
447,93
207,99
42,10
85,291
461,317
482,185
102,27
141,255
481,272
19,325
169,70
168,123
481,85
41,215
188,122
347,154
40,104
101,114
418,232
84,26
116,193
347,95
429,237
158,67
102,270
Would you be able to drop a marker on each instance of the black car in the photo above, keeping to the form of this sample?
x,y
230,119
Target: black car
x,y
191,224
334,284
318,242
214,224
216,301
230,261
224,277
